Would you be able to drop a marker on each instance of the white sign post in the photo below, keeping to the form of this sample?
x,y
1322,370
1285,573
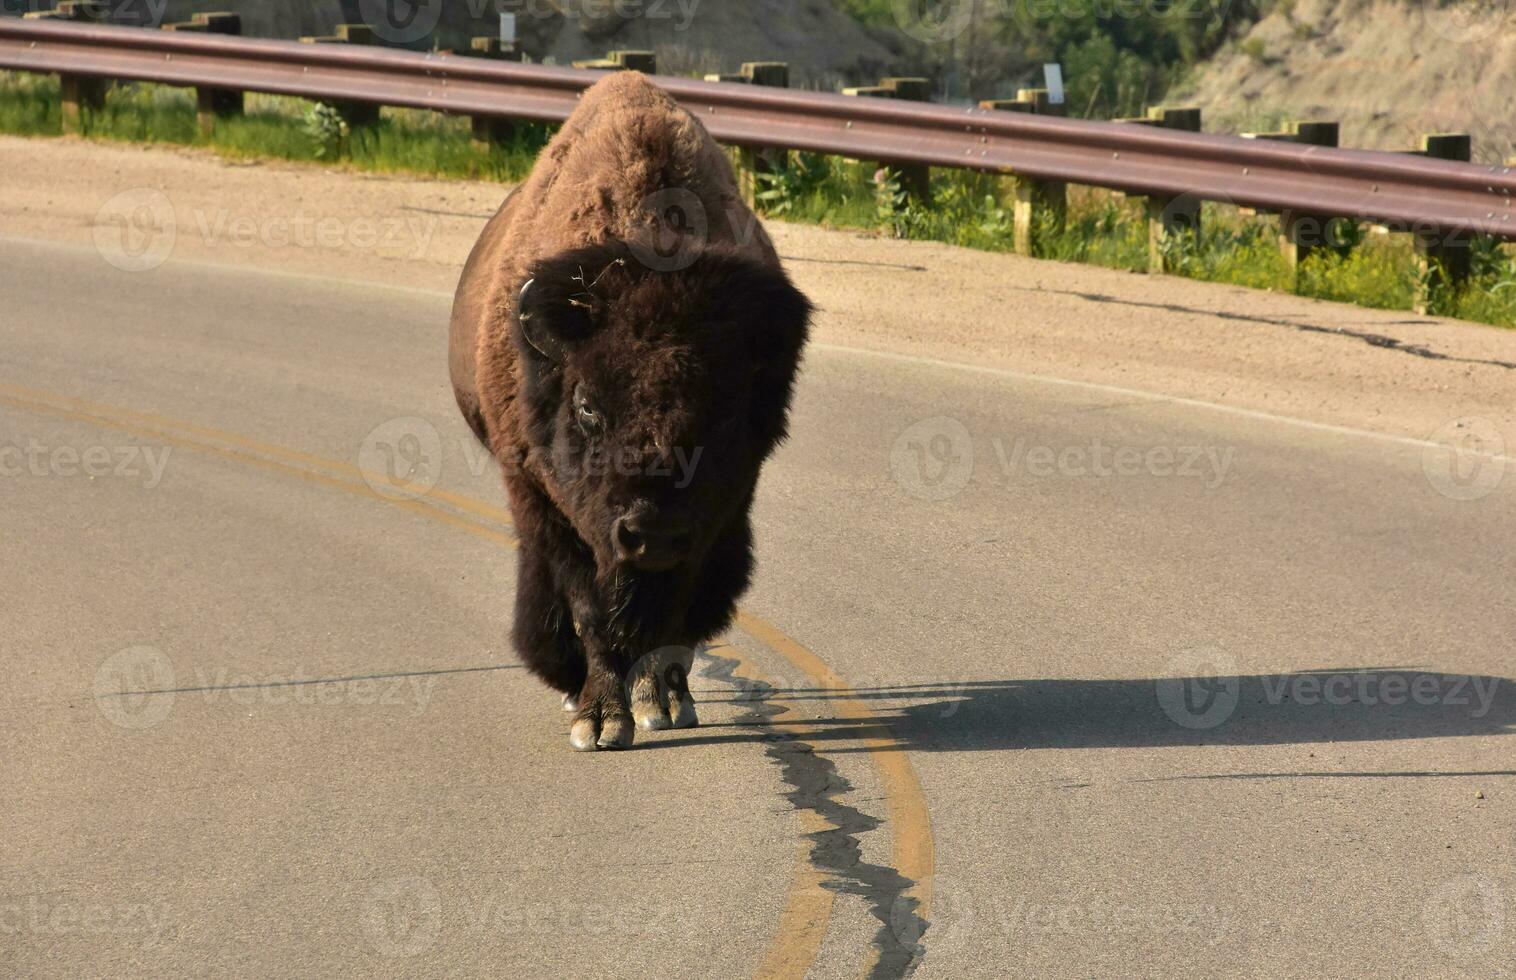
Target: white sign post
x,y
1053,78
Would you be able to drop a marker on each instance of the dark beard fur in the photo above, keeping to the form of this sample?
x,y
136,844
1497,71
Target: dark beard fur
x,y
644,610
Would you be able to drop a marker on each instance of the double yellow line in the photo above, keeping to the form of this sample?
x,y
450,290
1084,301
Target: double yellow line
x,y
808,906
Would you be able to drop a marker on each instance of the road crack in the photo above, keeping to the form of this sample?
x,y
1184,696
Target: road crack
x,y
1372,339
816,785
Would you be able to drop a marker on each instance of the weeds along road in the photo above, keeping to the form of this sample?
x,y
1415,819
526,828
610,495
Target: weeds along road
x,y
1104,625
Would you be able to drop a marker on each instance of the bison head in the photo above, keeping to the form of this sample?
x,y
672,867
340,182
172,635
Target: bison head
x,y
651,398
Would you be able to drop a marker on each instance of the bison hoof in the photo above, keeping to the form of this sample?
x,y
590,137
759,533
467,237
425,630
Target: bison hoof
x,y
660,690
583,735
664,709
570,703
616,733
587,734
651,718
683,711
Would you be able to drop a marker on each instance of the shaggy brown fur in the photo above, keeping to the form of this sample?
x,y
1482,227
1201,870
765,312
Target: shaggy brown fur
x,y
630,393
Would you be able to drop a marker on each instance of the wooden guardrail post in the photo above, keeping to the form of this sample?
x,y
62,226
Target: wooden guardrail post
x,y
212,104
90,10
621,60
762,159
1166,215
914,179
872,92
1039,204
1300,233
490,131
1445,257
1047,199
356,34
493,48
772,74
1042,104
78,94
1005,105
643,61
356,114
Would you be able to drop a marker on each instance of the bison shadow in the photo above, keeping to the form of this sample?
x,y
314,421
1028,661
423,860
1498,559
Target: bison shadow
x,y
1317,706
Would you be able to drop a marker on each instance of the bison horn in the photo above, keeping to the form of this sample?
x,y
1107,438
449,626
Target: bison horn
x,y
539,335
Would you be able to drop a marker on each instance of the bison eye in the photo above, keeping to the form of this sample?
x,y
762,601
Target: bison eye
x,y
588,417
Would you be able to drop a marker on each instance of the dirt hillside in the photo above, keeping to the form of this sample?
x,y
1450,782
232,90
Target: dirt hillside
x,y
1388,70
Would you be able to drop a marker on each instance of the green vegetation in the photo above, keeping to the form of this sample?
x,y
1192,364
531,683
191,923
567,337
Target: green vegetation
x,y
1254,48
968,209
876,13
275,127
1117,58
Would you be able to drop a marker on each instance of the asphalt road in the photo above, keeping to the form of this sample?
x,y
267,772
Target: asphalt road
x,y
1038,678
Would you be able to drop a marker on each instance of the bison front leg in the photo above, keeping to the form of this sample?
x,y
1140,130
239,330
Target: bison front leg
x,y
660,689
604,719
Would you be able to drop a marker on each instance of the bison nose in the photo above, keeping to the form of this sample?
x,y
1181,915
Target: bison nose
x,y
650,545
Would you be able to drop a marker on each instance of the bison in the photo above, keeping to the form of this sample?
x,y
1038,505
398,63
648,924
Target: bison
x,y
625,342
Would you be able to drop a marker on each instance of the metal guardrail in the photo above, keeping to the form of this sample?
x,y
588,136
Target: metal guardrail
x,y
1400,190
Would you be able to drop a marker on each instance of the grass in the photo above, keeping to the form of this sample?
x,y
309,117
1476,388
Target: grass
x,y
968,209
275,127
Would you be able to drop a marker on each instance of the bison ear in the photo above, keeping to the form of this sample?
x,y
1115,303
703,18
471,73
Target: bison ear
x,y
547,320
777,314
776,318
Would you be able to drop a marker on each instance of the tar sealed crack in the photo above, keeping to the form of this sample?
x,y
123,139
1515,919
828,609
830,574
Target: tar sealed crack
x,y
1372,339
816,785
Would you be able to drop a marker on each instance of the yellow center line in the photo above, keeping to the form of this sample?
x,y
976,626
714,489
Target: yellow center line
x,y
807,906
803,921
466,504
360,489
911,848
